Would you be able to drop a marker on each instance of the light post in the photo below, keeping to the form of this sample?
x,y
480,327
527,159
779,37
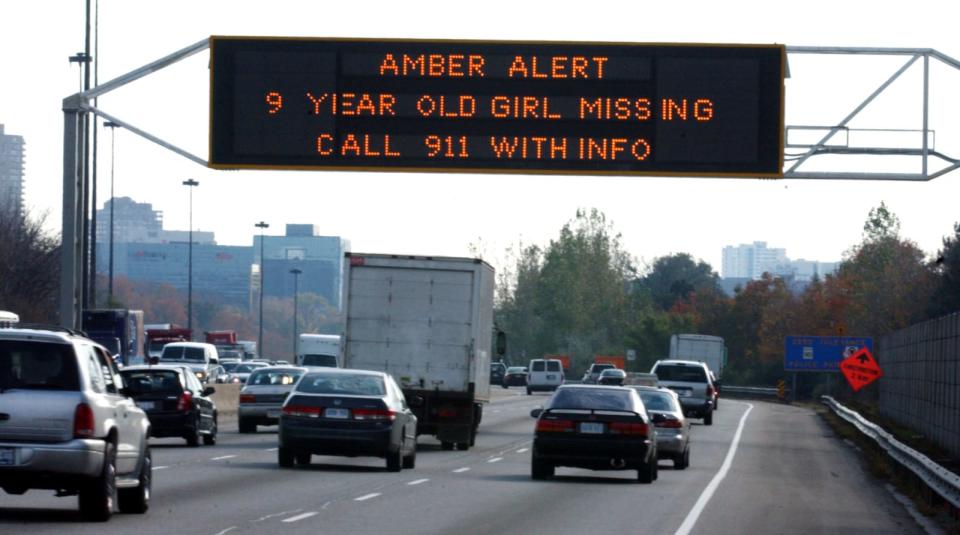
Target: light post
x,y
296,288
261,225
191,183
112,126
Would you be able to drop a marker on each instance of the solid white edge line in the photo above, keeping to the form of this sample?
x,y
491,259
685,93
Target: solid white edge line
x,y
366,497
707,493
418,481
299,517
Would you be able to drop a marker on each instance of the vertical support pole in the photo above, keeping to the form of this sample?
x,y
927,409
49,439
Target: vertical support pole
x,y
793,390
926,111
71,254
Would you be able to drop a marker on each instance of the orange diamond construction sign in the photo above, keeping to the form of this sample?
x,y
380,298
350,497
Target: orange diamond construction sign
x,y
860,369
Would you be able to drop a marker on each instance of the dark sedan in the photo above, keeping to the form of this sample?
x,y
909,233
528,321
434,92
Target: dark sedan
x,y
515,376
348,413
175,401
597,428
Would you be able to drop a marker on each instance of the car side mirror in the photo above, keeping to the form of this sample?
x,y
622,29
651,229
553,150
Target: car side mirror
x,y
415,401
658,418
535,413
209,391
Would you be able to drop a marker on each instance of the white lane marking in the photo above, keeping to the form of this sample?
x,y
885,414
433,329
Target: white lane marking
x,y
222,457
707,493
495,460
523,450
299,517
496,410
417,481
461,470
231,528
274,515
160,467
272,449
366,497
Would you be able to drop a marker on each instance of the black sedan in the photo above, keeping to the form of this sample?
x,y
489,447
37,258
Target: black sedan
x,y
515,376
597,428
175,401
348,413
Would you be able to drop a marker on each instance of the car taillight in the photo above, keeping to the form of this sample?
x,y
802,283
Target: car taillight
x,y
374,414
84,424
302,410
629,428
709,391
248,398
554,426
185,401
671,424
448,412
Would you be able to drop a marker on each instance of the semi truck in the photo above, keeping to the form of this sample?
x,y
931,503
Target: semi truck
x,y
161,334
226,342
701,347
119,330
319,350
427,321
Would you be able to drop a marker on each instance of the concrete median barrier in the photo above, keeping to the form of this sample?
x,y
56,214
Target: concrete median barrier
x,y
226,397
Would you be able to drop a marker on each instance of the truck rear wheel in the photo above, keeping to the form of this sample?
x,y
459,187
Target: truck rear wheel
x,y
463,446
446,445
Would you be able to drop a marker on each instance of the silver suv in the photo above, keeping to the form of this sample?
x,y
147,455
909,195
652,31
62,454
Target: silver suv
x,y
66,423
691,381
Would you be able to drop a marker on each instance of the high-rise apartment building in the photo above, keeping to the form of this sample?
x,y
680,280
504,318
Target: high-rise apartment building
x,y
11,172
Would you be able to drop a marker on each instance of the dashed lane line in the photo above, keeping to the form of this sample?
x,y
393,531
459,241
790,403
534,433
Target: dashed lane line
x,y
417,481
299,517
366,497
223,457
461,470
495,460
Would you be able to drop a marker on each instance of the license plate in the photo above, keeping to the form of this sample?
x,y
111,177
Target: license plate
x,y
337,413
8,456
276,414
146,405
591,427
551,377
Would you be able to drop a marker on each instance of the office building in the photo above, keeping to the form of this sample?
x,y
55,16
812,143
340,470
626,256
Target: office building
x,y
11,172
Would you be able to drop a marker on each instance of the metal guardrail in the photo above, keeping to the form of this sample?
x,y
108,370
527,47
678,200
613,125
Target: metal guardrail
x,y
942,481
749,391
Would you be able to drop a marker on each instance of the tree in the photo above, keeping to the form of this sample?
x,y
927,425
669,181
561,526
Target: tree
x,y
946,299
675,277
29,267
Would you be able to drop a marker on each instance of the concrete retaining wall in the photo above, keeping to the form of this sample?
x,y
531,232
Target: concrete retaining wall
x,y
226,397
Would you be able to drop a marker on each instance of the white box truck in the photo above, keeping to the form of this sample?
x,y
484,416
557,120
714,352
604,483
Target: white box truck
x,y
700,347
427,321
319,350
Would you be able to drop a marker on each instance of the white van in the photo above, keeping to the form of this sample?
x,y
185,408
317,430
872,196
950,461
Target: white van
x,y
319,350
544,374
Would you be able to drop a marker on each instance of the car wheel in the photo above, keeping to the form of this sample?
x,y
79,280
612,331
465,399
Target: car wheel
x,y
708,419
193,438
98,497
285,457
645,474
683,460
505,386
211,439
410,461
656,468
303,458
395,460
137,500
446,445
541,469
528,391
463,446
246,427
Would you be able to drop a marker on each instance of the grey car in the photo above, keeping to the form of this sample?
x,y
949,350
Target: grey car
x,y
673,429
67,424
691,381
262,397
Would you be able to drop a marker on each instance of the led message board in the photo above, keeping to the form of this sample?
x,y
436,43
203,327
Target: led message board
x,y
470,106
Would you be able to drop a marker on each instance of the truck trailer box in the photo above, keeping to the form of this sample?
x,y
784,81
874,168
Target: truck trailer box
x,y
427,321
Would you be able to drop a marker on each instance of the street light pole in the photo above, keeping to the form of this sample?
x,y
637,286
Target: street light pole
x,y
191,183
261,225
296,289
112,126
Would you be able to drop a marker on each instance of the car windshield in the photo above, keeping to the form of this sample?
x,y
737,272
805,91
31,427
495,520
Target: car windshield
x,y
141,382
592,398
183,353
658,401
515,369
354,384
274,377
681,373
230,366
247,368
37,366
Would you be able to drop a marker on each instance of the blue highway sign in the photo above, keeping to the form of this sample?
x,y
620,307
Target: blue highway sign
x,y
821,353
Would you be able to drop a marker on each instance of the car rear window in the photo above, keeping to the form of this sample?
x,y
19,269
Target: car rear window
x,y
658,401
152,381
328,361
192,354
349,384
681,373
538,366
274,377
37,366
553,366
515,369
592,398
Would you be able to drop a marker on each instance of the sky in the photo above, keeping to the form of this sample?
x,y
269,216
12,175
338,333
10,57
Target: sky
x,y
443,214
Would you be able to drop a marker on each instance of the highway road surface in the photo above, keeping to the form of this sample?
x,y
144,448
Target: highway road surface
x,y
761,468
